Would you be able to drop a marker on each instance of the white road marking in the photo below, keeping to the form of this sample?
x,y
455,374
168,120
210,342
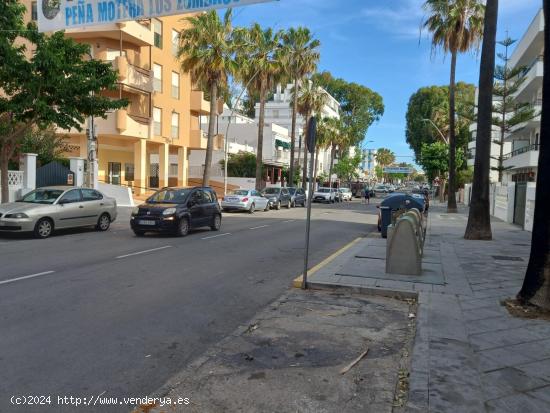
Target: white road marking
x,y
143,252
290,220
262,226
217,236
26,277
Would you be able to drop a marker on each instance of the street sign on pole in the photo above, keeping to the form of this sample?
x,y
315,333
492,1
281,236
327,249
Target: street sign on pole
x,y
311,142
54,15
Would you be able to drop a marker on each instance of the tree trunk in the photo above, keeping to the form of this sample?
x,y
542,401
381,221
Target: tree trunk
x,y
4,160
451,205
293,134
260,149
536,285
316,167
479,219
211,130
299,155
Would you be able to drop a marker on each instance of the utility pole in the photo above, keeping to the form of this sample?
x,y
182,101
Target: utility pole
x,y
311,142
91,159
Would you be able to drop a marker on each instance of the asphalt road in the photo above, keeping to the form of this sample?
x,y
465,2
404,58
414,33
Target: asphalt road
x,y
87,313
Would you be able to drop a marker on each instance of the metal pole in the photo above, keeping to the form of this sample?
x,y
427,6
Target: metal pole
x,y
438,130
308,221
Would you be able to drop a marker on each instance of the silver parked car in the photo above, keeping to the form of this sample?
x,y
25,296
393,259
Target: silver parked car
x,y
245,200
46,209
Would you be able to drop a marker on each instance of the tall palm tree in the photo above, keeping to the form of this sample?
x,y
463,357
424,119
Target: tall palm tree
x,y
384,157
536,286
311,101
206,52
479,220
456,27
326,131
340,141
300,55
260,67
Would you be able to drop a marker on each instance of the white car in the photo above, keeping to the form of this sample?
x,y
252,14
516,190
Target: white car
x,y
327,195
248,200
345,194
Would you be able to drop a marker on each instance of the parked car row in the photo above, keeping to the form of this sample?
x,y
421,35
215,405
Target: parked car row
x,y
169,210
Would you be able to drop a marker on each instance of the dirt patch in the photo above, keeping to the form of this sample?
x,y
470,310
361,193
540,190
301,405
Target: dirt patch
x,y
520,310
291,356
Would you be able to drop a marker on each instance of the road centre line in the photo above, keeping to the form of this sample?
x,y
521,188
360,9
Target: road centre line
x,y
26,277
261,226
143,252
217,236
289,220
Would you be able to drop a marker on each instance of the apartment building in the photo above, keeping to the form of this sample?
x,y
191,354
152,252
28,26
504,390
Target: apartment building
x,y
145,145
279,111
242,135
525,138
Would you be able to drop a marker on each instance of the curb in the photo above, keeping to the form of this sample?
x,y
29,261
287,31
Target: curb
x,y
383,292
297,283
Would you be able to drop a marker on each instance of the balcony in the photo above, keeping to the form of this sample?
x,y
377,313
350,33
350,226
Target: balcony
x,y
523,129
198,139
526,157
532,82
130,32
132,76
198,103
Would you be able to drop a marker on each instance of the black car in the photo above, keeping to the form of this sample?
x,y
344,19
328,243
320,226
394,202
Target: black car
x,y
297,196
176,211
277,197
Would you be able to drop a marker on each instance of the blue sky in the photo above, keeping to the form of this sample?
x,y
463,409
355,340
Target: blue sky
x,y
377,43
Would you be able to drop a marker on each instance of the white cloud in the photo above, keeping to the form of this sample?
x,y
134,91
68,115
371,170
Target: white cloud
x,y
401,18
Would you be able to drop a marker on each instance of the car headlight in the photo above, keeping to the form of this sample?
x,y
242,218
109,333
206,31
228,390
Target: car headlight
x,y
18,215
135,211
169,211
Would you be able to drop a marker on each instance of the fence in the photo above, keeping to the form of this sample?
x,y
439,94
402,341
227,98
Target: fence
x,y
15,183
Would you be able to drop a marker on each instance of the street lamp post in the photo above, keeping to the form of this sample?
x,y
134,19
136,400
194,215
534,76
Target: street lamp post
x,y
438,130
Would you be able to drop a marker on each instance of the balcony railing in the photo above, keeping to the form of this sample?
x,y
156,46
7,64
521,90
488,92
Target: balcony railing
x,y
525,149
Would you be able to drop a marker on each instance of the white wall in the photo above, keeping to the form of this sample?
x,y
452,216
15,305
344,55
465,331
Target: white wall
x,y
530,206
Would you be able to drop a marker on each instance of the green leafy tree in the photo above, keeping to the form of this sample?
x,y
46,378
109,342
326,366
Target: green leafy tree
x,y
206,51
300,54
510,112
241,165
431,103
46,143
434,159
360,106
456,27
260,67
54,87
347,168
384,157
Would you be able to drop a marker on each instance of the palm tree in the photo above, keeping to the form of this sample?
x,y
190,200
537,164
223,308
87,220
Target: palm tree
x,y
536,286
326,132
206,52
456,27
340,142
311,101
384,157
260,67
300,55
479,220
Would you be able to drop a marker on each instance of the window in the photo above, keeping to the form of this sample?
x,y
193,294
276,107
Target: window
x,y
175,125
175,42
157,121
129,171
173,170
157,77
157,28
34,11
206,197
71,197
91,195
175,85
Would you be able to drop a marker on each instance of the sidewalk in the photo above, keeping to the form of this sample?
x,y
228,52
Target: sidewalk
x,y
469,354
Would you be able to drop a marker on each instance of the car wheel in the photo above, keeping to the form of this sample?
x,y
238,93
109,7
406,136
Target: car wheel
x,y
266,207
139,233
252,209
278,207
217,223
43,228
289,205
104,222
293,204
183,227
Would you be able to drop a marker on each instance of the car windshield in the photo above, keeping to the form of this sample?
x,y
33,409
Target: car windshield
x,y
42,196
345,190
240,193
324,190
292,191
272,191
169,196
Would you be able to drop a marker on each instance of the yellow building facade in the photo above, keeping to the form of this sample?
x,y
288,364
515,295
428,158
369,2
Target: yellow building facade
x,y
145,145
